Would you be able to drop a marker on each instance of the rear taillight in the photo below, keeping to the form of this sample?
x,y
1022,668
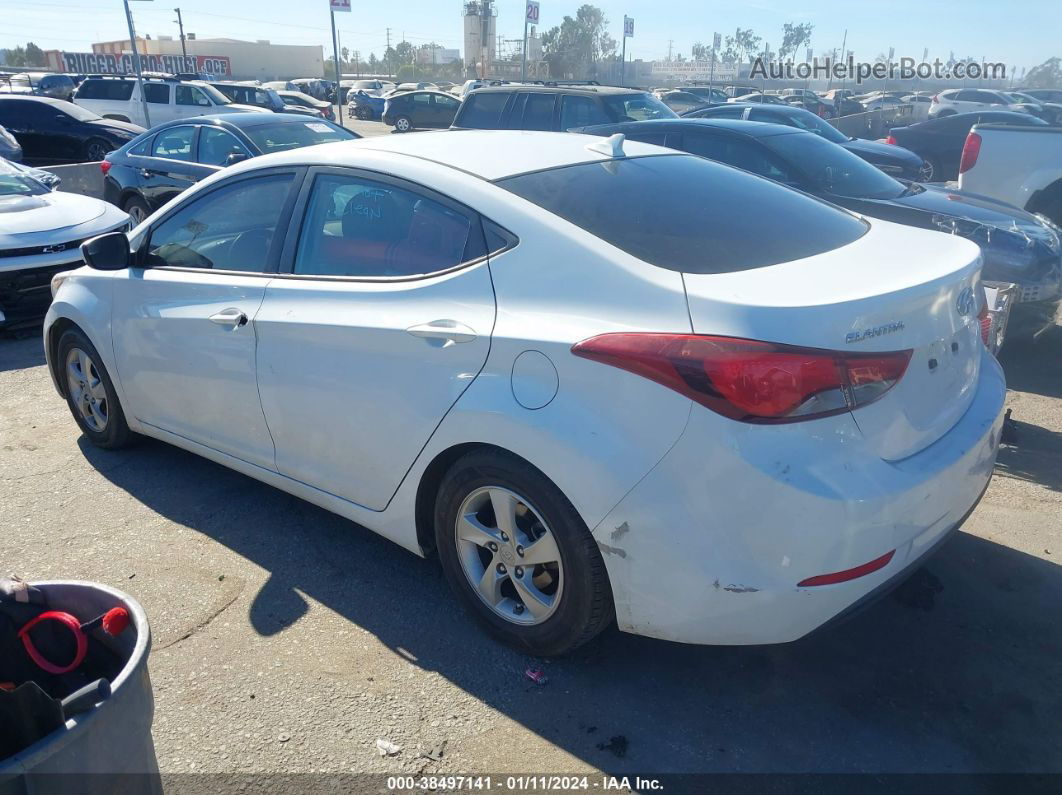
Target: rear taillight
x,y
970,150
105,166
891,140
749,380
985,319
936,98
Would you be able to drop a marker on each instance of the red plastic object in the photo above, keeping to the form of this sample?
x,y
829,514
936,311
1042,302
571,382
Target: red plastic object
x,y
848,574
115,621
72,624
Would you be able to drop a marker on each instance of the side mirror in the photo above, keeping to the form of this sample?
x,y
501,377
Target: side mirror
x,y
109,252
234,158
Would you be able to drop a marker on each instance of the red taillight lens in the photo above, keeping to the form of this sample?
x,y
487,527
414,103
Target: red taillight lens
x,y
105,166
749,380
970,150
985,320
935,98
891,140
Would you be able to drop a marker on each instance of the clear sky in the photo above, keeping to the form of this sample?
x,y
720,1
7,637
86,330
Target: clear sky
x,y
1020,32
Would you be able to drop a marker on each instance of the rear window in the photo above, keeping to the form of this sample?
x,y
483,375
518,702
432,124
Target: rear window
x,y
278,137
483,111
689,214
119,90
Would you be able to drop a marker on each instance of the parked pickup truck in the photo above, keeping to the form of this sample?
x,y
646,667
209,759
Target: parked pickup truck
x,y
1021,166
114,97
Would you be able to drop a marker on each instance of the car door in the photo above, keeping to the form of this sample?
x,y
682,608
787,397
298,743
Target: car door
x,y
171,167
182,319
159,97
189,101
382,321
445,110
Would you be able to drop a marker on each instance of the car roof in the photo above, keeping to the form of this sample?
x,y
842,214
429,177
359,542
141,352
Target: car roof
x,y
562,89
487,154
61,103
753,129
240,120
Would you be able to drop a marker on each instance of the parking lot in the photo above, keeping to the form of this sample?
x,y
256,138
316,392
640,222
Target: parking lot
x,y
287,639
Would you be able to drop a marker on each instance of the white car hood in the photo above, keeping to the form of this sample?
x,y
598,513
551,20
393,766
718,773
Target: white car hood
x,y
23,214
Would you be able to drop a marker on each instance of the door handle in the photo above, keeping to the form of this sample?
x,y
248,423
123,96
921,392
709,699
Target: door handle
x,y
449,331
232,317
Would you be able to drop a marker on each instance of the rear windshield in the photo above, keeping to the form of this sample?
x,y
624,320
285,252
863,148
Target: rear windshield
x,y
278,137
689,214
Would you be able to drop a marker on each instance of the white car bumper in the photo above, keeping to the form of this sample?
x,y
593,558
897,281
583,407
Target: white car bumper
x,y
710,546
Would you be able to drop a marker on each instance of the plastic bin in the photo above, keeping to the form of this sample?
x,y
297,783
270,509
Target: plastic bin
x,y
107,749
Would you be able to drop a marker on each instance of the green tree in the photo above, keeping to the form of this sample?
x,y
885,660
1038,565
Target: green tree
x,y
794,37
405,73
374,64
743,46
1046,75
30,55
575,47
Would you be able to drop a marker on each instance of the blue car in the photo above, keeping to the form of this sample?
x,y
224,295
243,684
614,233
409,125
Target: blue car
x,y
365,107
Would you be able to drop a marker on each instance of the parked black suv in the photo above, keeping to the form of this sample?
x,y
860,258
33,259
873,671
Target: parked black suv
x,y
556,108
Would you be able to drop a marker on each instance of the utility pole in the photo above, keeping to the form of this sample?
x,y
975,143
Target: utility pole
x,y
669,43
387,53
335,55
180,24
136,63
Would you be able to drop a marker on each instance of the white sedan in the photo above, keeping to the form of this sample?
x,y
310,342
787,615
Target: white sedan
x,y
603,380
41,232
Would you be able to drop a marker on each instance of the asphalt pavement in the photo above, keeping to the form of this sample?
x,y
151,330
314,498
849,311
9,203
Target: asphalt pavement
x,y
287,639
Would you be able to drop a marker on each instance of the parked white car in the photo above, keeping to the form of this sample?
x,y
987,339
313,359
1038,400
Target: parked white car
x,y
115,97
719,413
41,232
963,100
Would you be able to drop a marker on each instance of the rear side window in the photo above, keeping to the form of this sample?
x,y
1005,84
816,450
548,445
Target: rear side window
x,y
118,90
157,93
483,111
174,143
688,214
533,111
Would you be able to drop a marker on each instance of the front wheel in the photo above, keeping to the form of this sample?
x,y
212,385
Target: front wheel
x,y
519,556
363,113
137,209
90,393
403,124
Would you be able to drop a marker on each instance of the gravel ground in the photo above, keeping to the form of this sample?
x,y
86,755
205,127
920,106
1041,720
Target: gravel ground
x,y
287,639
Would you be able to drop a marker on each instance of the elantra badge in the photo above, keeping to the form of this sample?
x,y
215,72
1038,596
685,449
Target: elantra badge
x,y
964,304
876,331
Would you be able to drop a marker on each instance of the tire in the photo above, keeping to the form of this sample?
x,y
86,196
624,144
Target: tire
x,y
83,374
1049,203
403,124
96,149
572,597
363,113
137,209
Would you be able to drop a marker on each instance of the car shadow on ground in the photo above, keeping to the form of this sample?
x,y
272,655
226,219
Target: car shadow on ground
x,y
1033,365
960,670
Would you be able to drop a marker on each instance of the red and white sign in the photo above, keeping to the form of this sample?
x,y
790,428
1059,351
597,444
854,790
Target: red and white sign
x,y
113,64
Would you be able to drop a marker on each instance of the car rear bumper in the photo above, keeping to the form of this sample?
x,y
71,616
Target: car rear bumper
x,y
710,546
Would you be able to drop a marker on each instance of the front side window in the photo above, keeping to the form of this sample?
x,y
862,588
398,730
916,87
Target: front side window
x,y
639,107
190,95
736,151
361,228
689,214
174,143
833,169
216,145
231,228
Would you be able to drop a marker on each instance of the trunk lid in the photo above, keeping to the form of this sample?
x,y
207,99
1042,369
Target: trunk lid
x,y
895,288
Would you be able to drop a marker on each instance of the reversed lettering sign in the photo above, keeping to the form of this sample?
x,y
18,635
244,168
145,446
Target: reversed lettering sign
x,y
112,64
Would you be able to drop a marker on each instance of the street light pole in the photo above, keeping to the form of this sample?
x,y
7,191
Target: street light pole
x,y
136,63
523,68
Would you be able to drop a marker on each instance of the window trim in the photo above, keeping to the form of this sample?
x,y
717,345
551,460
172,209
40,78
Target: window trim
x,y
202,131
197,89
286,264
275,249
195,145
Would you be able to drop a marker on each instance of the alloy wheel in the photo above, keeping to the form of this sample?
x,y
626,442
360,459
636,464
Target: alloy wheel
x,y
509,555
97,151
925,173
403,125
86,389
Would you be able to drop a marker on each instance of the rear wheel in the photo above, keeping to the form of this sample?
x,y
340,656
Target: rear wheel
x,y
90,393
403,124
137,209
930,170
96,149
519,556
